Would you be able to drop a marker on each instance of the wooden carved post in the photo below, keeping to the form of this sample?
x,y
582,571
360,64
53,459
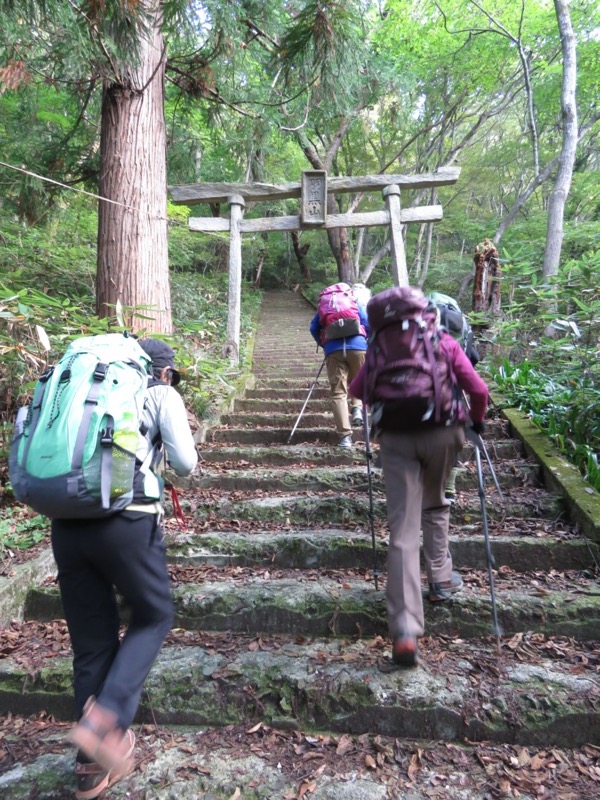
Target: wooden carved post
x,y
236,212
392,202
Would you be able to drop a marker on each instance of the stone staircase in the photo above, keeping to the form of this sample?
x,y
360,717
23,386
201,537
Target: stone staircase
x,y
277,681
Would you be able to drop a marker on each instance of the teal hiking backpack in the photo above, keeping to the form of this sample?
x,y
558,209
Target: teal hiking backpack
x,y
73,454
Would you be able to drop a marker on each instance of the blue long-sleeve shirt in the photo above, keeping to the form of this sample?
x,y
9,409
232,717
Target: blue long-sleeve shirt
x,y
357,342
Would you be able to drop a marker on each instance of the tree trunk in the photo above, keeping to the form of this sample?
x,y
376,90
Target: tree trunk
x,y
558,198
340,247
486,284
358,248
374,261
133,266
427,256
301,251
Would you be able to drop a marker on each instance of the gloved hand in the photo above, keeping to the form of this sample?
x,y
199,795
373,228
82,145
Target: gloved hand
x,y
478,427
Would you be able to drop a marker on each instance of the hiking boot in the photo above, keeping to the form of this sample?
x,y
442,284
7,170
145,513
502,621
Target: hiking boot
x,y
404,650
93,780
98,735
439,592
346,442
357,417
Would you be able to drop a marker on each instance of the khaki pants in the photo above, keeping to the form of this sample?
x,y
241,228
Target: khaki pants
x,y
415,470
341,369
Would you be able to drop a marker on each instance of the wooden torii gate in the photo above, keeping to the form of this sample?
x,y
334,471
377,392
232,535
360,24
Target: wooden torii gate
x,y
312,191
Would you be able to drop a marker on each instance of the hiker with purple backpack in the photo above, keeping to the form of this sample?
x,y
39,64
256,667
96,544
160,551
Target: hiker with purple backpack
x,y
412,380
340,327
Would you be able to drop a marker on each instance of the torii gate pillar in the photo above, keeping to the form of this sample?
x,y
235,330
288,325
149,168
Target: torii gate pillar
x,y
398,252
237,205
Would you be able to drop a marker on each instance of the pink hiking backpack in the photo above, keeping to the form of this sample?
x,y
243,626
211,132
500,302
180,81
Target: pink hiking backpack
x,y
338,313
409,380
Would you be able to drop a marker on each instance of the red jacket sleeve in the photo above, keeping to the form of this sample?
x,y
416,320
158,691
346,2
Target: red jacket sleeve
x,y
466,377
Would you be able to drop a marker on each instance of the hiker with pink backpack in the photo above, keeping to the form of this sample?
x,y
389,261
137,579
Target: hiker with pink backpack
x,y
340,327
412,379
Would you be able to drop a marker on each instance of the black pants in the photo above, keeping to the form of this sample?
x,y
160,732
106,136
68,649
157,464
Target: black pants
x,y
125,552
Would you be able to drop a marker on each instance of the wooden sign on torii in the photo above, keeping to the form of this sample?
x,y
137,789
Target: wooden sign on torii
x,y
312,191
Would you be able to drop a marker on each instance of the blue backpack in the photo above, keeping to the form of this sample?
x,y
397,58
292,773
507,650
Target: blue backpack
x,y
73,454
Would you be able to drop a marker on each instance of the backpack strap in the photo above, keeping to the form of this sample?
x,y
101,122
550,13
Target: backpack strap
x,y
437,389
106,440
91,401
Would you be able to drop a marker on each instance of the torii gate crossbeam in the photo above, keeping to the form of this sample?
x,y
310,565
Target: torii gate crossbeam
x,y
236,195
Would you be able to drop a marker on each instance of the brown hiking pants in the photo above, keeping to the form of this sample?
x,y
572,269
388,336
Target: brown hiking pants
x,y
416,466
341,369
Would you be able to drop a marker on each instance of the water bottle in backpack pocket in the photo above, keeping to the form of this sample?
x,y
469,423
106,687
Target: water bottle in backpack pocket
x,y
74,454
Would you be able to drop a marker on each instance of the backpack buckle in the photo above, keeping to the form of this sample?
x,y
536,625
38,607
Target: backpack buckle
x,y
100,371
106,437
46,375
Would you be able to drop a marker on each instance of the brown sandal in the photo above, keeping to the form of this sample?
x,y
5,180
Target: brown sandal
x,y
101,739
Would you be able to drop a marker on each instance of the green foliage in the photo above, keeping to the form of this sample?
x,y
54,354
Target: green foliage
x,y
18,531
547,358
323,44
47,298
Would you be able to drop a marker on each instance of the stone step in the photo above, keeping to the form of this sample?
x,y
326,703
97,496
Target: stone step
x,y
283,405
315,604
253,434
297,454
347,477
467,692
333,509
320,392
278,361
267,419
301,373
263,761
344,549
228,454
271,436
281,384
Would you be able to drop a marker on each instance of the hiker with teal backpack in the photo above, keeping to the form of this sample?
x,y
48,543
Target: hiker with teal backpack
x,y
411,381
457,325
340,327
87,454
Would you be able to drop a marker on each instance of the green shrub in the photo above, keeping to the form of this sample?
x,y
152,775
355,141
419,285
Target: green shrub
x,y
546,357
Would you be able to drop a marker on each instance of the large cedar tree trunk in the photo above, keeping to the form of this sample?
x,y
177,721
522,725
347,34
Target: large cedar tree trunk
x,y
132,236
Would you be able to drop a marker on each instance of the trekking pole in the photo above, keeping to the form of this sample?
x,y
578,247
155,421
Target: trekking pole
x,y
314,383
480,447
369,455
488,548
479,443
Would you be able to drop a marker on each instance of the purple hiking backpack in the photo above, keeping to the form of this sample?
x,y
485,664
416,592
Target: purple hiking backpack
x,y
409,380
338,313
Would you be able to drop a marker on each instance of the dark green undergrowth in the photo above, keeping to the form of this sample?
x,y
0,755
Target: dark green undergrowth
x,y
47,298
546,356
19,530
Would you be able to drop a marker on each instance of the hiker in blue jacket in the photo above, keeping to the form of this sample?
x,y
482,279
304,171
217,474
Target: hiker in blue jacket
x,y
124,553
343,359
